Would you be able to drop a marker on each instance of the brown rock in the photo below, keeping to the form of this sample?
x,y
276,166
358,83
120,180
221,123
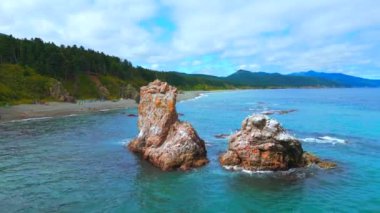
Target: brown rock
x,y
262,144
129,92
58,92
221,136
164,140
311,159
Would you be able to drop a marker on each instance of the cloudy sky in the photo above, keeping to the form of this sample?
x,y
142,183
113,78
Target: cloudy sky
x,y
214,36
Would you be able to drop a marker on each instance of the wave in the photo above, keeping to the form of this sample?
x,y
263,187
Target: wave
x,y
293,173
325,139
124,141
201,95
238,168
71,115
30,119
208,144
104,110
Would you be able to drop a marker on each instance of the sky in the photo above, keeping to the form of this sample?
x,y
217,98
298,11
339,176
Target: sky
x,y
211,37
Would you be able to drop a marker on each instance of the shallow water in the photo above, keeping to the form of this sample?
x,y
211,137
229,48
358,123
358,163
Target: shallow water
x,y
79,164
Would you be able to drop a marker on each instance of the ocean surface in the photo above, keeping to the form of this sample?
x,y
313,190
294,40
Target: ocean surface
x,y
79,163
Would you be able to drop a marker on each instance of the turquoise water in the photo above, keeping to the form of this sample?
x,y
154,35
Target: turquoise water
x,y
79,164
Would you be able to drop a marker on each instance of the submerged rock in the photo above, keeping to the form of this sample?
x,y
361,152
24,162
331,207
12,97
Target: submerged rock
x,y
280,112
164,140
311,159
221,136
262,144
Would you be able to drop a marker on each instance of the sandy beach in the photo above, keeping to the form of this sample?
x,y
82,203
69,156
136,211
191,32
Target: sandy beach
x,y
54,109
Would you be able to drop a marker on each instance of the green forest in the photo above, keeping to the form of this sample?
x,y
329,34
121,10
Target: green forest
x,y
32,70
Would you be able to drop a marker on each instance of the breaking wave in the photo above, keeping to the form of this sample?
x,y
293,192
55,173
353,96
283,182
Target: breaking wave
x,y
31,119
293,173
124,141
325,139
201,95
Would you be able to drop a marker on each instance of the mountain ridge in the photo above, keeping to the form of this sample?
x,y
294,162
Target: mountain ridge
x,y
340,78
277,80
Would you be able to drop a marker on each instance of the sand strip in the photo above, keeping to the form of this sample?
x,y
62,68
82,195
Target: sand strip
x,y
53,109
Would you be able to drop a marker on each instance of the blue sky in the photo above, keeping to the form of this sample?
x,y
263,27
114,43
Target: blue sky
x,y
214,36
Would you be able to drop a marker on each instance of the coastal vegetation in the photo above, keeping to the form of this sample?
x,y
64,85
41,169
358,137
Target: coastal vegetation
x,y
32,70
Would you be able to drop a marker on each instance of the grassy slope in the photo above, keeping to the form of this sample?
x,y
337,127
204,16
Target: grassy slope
x,y
23,85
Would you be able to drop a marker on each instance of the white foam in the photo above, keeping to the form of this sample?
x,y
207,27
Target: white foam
x,y
325,139
31,119
238,168
104,110
71,115
124,141
201,95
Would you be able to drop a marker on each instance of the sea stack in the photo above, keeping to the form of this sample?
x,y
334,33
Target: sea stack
x,y
164,140
263,145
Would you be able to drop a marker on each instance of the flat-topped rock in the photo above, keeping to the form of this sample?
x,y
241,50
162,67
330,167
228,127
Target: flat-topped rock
x,y
164,140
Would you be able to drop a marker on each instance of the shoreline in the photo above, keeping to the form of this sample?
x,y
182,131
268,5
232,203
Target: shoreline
x,y
57,109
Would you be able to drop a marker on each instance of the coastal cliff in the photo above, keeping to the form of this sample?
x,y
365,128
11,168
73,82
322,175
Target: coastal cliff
x,y
164,140
263,144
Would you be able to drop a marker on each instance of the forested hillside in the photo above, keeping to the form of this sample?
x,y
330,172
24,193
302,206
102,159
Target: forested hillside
x,y
84,73
33,70
276,80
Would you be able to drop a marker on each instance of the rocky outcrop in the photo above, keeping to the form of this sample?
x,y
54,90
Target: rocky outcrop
x,y
102,90
262,144
221,136
164,140
129,92
280,112
310,159
58,92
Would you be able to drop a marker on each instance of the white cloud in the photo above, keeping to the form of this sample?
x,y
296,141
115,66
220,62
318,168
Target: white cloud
x,y
289,35
154,66
251,67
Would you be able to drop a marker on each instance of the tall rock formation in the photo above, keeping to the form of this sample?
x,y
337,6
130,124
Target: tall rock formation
x,y
164,140
262,144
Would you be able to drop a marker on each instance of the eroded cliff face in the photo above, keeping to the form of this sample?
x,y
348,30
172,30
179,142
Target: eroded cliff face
x,y
164,140
262,144
58,92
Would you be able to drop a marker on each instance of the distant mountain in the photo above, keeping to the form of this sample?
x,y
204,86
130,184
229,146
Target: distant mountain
x,y
341,79
276,80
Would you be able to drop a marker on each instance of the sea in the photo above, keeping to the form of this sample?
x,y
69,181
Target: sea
x,y
79,163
